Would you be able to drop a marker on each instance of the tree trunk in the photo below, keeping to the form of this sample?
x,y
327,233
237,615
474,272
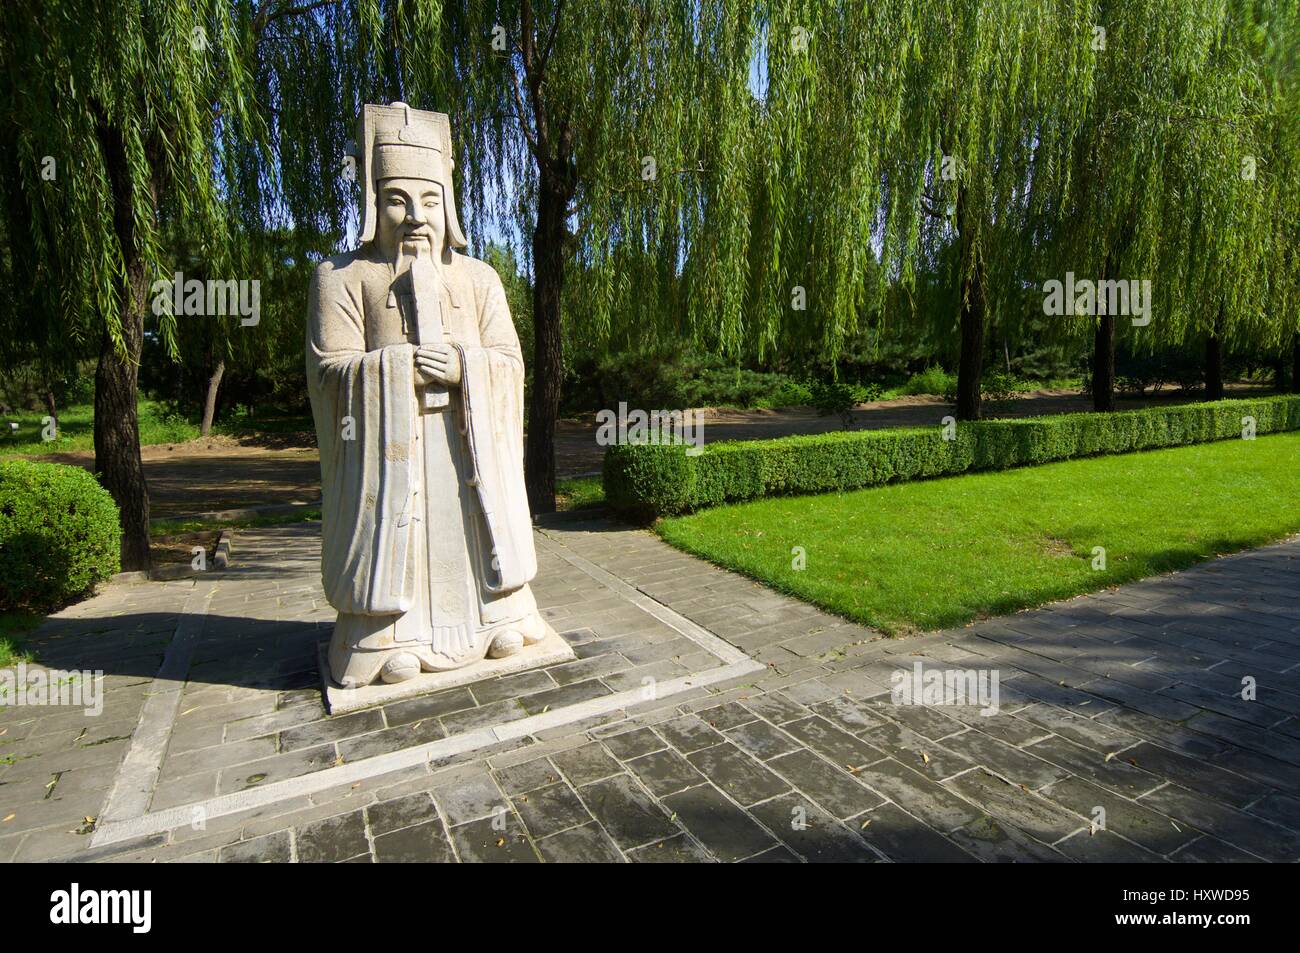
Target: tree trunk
x,y
1103,364
1295,364
970,365
549,240
51,407
1279,373
210,402
1213,368
1214,359
117,426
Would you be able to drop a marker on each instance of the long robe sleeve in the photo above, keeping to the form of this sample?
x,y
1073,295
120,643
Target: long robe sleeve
x,y
492,394
364,411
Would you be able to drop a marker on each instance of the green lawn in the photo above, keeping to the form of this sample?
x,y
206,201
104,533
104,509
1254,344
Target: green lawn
x,y
578,493
76,429
941,552
13,626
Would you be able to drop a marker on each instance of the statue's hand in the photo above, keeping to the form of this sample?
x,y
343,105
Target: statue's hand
x,y
438,364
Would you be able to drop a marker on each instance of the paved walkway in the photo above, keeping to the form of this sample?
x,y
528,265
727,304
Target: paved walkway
x,y
706,718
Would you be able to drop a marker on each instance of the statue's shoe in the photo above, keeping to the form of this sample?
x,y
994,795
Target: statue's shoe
x,y
399,668
532,627
505,643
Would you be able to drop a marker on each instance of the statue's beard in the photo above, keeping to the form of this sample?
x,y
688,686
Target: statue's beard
x,y
410,247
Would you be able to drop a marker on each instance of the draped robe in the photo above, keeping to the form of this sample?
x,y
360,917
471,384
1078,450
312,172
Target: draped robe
x,y
426,535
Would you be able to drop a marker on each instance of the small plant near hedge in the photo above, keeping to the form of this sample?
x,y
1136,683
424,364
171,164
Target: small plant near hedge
x,y
839,398
645,481
933,381
59,534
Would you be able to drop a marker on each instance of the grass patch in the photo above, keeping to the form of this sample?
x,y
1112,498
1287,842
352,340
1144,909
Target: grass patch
x,y
13,626
942,552
166,528
579,493
77,429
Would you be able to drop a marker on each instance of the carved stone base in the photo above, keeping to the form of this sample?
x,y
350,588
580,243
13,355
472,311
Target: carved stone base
x,y
549,651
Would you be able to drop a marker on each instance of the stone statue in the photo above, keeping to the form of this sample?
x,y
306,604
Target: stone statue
x,y
417,385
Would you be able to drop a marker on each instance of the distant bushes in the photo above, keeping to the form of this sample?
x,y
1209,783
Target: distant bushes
x,y
645,481
59,534
676,379
932,380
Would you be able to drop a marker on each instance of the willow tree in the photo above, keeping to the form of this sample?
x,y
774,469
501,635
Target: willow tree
x,y
1174,173
1230,237
114,112
996,93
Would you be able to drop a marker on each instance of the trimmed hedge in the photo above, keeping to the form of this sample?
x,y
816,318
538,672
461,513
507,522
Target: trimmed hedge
x,y
59,534
647,480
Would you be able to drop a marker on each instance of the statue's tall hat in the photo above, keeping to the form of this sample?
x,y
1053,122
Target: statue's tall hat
x,y
398,142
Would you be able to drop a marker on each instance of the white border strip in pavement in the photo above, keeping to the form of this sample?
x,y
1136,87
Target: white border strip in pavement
x,y
255,797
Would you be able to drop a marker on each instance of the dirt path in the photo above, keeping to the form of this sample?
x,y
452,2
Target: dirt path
x,y
214,473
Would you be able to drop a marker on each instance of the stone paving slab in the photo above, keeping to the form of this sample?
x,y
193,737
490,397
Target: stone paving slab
x,y
1121,732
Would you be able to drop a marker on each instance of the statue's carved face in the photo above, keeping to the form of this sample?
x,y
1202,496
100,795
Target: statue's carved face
x,y
411,218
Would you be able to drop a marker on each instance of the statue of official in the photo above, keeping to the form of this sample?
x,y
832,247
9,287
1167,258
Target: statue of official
x,y
416,383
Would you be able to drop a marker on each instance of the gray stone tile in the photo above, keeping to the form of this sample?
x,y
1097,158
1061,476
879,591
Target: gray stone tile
x,y
470,800
1017,806
1211,850
832,788
268,849
392,815
1195,773
722,827
280,767
528,776
560,697
996,842
548,810
726,715
587,844
428,706
1110,772
1125,818
929,800
1259,837
776,707
665,772
901,837
775,855
585,764
811,832
1104,847
849,713
839,746
332,839
736,773
511,686
1281,809
933,759
424,843
678,849
762,740
487,716
689,733
626,812
633,744
498,840
330,729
